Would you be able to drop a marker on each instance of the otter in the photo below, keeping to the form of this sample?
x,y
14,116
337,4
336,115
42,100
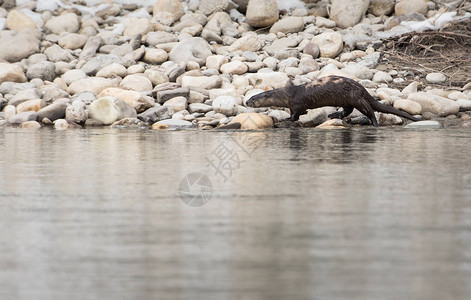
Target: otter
x,y
326,91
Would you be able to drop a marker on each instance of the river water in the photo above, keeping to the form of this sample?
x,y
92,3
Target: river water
x,y
281,214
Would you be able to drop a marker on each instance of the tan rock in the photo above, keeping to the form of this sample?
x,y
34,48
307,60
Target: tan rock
x,y
18,21
11,72
330,43
136,82
411,6
253,121
91,84
168,11
133,98
262,13
333,124
31,105
30,125
409,106
435,104
235,67
348,13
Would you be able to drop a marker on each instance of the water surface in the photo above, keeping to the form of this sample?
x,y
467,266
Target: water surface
x,y
293,214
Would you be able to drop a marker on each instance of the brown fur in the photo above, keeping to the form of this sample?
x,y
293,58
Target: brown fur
x,y
326,91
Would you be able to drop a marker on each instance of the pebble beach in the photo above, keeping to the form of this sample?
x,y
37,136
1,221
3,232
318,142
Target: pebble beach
x,y
193,64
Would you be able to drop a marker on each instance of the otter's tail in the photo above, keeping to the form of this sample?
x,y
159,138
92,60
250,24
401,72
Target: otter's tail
x,y
377,106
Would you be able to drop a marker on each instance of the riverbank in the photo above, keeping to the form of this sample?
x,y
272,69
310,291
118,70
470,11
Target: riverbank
x,y
194,64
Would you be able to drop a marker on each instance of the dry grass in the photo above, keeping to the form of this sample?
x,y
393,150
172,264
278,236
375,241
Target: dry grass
x,y
447,51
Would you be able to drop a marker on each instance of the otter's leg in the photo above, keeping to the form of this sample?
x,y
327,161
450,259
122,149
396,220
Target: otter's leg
x,y
295,116
368,111
341,114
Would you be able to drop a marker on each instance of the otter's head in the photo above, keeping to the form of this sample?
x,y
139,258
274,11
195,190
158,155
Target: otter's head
x,y
267,99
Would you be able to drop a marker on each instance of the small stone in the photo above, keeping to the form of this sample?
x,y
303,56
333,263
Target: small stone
x,y
253,121
72,41
381,7
235,67
411,88
262,13
435,78
323,22
312,49
14,47
76,114
227,105
55,54
465,124
168,11
52,112
173,124
136,26
333,124
409,106
388,119
199,108
64,23
23,117
191,49
330,43
382,77
134,123
288,25
435,104
313,117
209,7
91,84
348,13
30,125
108,110
11,72
61,124
135,99
113,70
203,82
24,95
31,105
155,114
155,56
180,115
358,71
404,7
44,70
8,112
177,103
73,75
308,64
99,62
424,125
215,61
160,37
167,94
18,21
465,104
248,42
272,79
279,115
156,77
136,82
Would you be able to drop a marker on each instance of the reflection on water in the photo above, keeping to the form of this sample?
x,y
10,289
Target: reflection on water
x,y
302,214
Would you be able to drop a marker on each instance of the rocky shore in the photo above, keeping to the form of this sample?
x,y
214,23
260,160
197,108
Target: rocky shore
x,y
193,64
